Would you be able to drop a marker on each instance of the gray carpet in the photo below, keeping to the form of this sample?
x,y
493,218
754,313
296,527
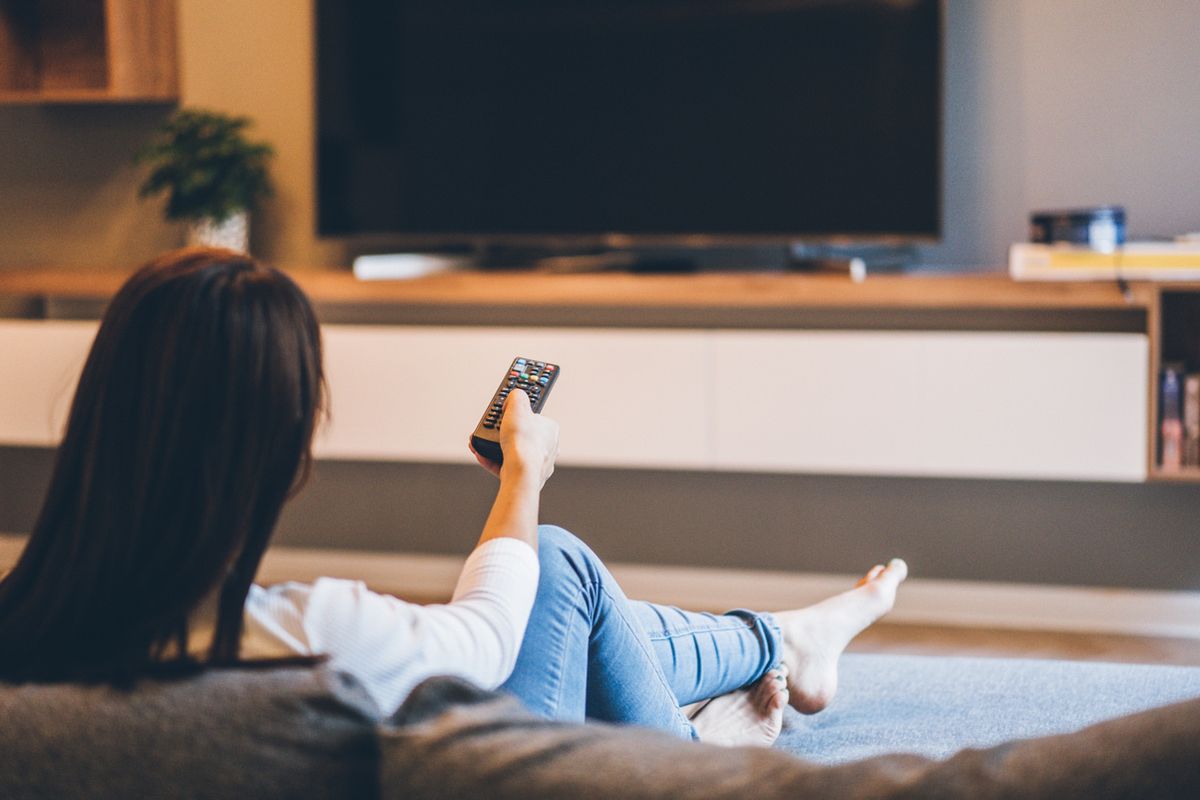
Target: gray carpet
x,y
937,706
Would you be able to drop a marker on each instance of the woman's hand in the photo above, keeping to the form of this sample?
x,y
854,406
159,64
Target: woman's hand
x,y
529,442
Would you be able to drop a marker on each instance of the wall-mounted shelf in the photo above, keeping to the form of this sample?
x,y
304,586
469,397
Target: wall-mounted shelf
x,y
88,51
78,97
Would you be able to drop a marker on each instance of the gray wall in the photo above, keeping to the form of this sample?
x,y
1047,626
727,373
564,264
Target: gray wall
x,y
1048,103
1059,103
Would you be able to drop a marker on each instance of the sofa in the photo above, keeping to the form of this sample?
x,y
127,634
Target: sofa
x,y
900,726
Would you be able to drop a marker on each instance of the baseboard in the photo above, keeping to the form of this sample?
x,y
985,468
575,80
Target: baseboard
x,y
430,578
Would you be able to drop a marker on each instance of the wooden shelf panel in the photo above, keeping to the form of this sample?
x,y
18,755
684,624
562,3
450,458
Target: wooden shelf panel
x,y
80,96
1188,475
703,290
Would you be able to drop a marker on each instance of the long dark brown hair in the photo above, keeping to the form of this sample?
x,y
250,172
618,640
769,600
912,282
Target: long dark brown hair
x,y
191,425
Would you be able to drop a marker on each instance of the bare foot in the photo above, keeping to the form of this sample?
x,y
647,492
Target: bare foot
x,y
814,637
751,716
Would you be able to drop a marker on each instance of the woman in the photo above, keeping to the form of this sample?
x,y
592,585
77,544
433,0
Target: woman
x,y
192,425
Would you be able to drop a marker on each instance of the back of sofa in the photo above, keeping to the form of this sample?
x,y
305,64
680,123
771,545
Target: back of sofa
x,y
296,732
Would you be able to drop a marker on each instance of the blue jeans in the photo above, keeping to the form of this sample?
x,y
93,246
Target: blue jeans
x,y
591,652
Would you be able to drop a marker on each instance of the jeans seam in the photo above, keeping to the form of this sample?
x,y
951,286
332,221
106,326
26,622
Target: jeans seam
x,y
562,659
693,631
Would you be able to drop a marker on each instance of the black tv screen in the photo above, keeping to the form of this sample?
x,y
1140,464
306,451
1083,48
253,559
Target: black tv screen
x,y
766,119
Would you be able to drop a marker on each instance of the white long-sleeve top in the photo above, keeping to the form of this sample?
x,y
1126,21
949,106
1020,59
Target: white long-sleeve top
x,y
391,645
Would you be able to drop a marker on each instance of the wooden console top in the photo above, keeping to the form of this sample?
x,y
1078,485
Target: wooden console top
x,y
727,290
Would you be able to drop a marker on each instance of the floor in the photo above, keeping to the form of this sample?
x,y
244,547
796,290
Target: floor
x,y
935,640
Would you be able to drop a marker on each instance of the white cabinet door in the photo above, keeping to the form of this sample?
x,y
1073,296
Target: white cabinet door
x,y
1000,405
40,362
632,398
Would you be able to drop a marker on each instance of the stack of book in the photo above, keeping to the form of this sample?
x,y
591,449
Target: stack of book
x,y
1179,419
1148,261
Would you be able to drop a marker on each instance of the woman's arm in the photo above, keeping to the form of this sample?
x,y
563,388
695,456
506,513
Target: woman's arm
x,y
530,445
391,645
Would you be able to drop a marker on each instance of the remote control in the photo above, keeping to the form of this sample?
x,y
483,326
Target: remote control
x,y
536,379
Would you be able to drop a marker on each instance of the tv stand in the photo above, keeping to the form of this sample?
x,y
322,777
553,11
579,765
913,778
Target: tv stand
x,y
856,260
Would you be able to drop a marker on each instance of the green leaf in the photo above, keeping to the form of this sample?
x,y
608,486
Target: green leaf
x,y
204,162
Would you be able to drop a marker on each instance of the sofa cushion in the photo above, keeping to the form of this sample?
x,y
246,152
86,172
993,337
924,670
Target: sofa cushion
x,y
312,733
296,732
451,741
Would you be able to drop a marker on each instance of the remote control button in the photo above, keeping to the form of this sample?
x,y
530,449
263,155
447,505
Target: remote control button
x,y
550,368
543,381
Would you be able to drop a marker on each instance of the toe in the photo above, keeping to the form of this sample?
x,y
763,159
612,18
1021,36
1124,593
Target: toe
x,y
896,569
874,573
768,687
779,699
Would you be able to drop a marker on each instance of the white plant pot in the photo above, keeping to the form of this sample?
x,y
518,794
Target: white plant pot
x,y
232,234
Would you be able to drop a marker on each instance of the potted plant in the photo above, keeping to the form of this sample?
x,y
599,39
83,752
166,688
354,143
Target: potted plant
x,y
214,176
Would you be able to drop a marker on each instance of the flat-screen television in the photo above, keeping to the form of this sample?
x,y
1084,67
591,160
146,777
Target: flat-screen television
x,y
656,120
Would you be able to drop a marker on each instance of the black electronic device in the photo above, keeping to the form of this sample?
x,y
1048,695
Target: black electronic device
x,y
536,379
629,123
1102,227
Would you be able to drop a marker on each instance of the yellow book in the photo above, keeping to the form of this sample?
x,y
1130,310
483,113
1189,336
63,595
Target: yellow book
x,y
1153,261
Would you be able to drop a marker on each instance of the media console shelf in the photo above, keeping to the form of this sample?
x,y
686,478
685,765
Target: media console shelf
x,y
1067,371
1175,338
